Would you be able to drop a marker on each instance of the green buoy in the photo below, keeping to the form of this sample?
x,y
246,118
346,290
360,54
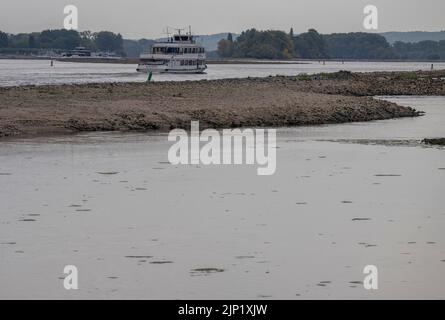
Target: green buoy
x,y
150,75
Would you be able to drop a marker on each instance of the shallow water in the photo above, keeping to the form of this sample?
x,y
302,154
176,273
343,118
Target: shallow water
x,y
39,72
137,227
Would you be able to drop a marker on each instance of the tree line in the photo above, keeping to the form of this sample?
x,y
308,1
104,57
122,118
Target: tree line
x,y
273,44
62,40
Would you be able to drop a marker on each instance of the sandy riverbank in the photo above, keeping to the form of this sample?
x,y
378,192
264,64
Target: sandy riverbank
x,y
274,101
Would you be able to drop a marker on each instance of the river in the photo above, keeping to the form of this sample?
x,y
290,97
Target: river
x,y
343,197
39,72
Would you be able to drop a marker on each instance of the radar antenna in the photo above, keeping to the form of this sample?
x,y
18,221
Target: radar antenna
x,y
167,32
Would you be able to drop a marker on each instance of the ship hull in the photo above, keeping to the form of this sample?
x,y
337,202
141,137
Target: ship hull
x,y
144,68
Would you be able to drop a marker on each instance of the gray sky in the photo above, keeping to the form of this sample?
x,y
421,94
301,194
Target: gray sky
x,y
148,18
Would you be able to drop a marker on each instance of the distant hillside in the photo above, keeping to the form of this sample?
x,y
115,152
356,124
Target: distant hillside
x,y
415,36
133,48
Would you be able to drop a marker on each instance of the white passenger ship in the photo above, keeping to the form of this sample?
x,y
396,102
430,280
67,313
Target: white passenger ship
x,y
178,54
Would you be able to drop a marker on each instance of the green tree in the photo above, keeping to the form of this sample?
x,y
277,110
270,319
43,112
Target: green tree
x,y
109,41
269,44
18,41
358,45
31,41
87,40
225,48
3,40
310,45
59,39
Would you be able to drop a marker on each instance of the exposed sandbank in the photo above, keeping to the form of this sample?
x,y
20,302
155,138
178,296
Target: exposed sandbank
x,y
272,102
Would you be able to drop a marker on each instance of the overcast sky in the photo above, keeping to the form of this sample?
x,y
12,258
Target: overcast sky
x,y
148,18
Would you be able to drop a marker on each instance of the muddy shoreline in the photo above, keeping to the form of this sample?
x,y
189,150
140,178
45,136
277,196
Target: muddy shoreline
x,y
272,102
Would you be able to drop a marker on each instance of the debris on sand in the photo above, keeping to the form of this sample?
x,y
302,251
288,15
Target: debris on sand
x,y
205,271
434,141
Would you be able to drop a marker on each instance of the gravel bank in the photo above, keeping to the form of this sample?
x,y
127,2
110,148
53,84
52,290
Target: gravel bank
x,y
272,102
